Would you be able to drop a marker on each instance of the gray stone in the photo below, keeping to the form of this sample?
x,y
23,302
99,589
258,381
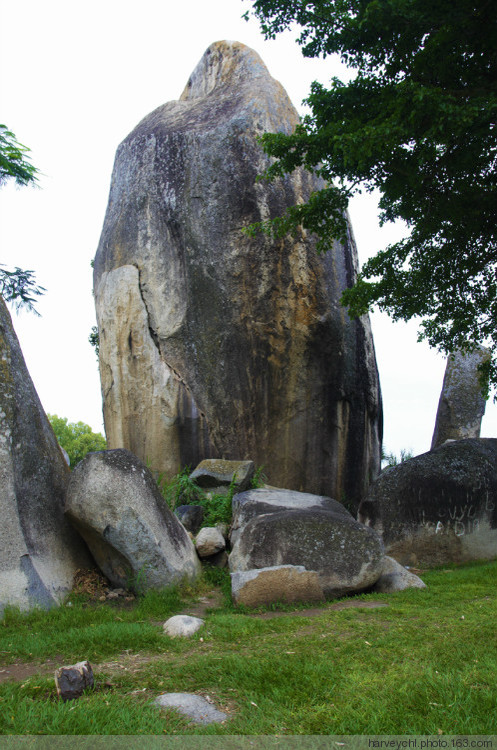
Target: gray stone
x,y
438,507
281,583
213,342
215,473
247,505
347,556
196,708
191,516
209,541
39,550
72,681
462,405
182,626
138,543
394,577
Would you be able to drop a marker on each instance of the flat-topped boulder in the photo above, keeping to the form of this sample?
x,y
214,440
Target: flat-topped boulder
x,y
138,543
321,536
218,475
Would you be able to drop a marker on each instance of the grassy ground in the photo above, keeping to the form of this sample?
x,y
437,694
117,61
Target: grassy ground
x,y
424,664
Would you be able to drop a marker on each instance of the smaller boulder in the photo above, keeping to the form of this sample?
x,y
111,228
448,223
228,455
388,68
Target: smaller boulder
x,y
217,475
115,504
209,541
191,516
280,583
182,626
394,577
72,681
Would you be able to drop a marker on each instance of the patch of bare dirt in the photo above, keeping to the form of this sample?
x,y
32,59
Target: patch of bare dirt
x,y
316,611
129,662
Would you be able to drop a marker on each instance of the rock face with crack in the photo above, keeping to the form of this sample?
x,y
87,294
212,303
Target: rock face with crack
x,y
39,550
214,342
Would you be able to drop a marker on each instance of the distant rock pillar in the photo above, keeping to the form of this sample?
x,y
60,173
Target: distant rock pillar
x,y
462,405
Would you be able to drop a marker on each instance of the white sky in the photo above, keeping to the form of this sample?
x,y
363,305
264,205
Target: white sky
x,y
75,79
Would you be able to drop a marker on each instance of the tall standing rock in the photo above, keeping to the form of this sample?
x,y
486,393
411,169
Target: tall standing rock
x,y
214,343
461,406
39,550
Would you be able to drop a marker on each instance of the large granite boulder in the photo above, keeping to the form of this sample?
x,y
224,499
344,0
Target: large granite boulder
x,y
214,342
438,507
347,556
462,405
39,550
138,543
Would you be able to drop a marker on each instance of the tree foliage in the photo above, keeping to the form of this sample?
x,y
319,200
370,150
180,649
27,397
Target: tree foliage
x,y
17,286
417,122
77,439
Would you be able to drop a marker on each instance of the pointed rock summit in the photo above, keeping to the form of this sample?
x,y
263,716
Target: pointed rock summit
x,y
214,343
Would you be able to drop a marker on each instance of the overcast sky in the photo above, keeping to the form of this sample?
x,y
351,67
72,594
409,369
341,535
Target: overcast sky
x,y
75,79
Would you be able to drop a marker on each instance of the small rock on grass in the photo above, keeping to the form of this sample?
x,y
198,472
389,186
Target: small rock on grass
x,y
394,577
182,625
72,681
193,706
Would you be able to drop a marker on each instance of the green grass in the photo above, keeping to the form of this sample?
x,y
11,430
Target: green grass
x,y
414,667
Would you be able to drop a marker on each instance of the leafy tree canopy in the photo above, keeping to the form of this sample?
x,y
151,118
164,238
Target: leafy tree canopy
x,y
17,286
418,123
77,439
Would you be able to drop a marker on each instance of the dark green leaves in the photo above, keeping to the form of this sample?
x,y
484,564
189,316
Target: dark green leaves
x,y
418,123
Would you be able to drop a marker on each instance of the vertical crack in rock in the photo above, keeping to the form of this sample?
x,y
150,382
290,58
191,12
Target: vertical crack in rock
x,y
250,329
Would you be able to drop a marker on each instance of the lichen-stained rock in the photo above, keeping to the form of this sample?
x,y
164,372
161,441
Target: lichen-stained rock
x,y
438,507
137,542
347,556
214,342
258,502
462,405
216,475
39,550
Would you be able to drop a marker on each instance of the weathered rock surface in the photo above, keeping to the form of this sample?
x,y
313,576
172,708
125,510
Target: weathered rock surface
x,y
281,583
138,543
394,577
438,507
72,681
347,556
191,516
213,342
193,706
209,541
247,505
462,405
216,474
39,550
182,626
